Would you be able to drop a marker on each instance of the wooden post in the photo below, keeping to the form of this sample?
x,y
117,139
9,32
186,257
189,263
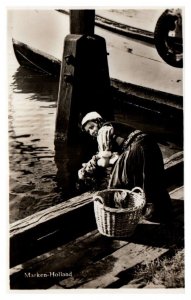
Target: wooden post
x,y
84,78
82,21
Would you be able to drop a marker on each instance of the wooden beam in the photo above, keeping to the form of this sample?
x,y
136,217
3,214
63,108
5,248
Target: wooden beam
x,y
48,214
50,228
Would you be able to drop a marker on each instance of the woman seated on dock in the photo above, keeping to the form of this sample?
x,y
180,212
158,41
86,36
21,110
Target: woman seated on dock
x,y
128,160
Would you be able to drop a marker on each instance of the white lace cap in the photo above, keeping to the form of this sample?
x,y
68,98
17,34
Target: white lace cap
x,y
93,115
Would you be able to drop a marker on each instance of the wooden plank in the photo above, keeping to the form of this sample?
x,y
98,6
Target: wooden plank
x,y
173,160
177,193
104,272
36,262
67,258
49,213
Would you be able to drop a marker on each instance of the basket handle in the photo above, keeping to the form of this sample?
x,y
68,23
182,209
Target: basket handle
x,y
137,189
99,198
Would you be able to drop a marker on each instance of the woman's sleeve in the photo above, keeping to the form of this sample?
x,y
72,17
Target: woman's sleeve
x,y
104,138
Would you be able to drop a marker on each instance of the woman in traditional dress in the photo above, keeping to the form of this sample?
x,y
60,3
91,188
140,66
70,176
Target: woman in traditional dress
x,y
132,159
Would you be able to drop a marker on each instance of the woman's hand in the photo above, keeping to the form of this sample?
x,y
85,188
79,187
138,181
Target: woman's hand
x,y
81,174
88,168
103,162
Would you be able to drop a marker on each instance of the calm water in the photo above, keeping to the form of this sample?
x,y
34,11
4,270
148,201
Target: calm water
x,y
39,176
31,119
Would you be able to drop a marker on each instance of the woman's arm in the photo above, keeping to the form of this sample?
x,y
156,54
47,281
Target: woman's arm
x,y
104,140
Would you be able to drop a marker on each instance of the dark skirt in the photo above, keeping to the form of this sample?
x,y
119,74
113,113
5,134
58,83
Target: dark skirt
x,y
141,164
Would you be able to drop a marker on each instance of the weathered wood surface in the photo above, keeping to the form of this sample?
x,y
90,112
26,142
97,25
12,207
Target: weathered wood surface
x,y
100,262
49,213
82,21
50,228
177,193
59,224
104,272
173,160
70,257
84,259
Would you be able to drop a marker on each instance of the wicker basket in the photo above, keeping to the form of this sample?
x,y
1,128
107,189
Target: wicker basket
x,y
118,222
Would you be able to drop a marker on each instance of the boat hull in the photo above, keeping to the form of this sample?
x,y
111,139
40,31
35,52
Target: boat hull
x,y
37,60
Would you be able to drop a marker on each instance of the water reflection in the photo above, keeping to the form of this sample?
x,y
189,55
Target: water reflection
x,y
40,174
39,86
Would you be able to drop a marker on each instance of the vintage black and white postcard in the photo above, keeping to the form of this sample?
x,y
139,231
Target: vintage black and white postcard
x,y
96,148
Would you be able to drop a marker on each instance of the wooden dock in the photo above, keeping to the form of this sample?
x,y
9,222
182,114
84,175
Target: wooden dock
x,y
60,248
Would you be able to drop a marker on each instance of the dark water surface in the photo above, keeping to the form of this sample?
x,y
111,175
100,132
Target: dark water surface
x,y
40,176
33,186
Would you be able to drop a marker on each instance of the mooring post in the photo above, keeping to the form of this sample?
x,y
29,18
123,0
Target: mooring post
x,y
84,79
82,21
